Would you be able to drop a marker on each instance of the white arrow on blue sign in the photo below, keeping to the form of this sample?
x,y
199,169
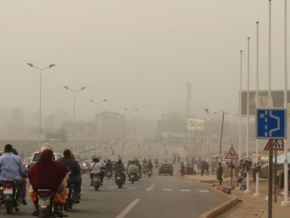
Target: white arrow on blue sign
x,y
271,123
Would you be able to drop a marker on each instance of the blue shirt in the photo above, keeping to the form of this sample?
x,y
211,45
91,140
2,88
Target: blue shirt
x,y
11,167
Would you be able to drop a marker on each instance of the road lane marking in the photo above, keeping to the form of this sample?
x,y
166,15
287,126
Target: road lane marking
x,y
203,191
185,190
167,189
150,188
128,208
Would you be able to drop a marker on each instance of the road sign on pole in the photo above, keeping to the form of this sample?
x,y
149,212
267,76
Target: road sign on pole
x,y
232,154
278,145
271,124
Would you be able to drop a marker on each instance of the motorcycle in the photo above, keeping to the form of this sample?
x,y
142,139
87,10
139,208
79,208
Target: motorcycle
x,y
45,202
139,174
149,173
133,176
120,180
144,171
9,195
109,174
72,197
96,181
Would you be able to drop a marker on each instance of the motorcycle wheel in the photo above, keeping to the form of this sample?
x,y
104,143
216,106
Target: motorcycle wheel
x,y
9,207
132,181
96,187
119,185
44,213
70,203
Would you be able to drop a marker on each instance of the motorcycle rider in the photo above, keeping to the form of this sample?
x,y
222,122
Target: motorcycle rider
x,y
132,168
11,167
119,167
23,181
109,165
156,162
48,174
96,168
149,166
75,171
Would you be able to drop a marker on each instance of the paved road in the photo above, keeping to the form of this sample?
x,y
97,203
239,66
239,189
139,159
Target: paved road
x,y
158,196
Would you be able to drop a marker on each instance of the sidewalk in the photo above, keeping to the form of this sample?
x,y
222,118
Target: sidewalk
x,y
241,204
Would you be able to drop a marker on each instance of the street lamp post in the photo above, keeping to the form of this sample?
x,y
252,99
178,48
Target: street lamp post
x,y
165,128
40,81
98,111
74,91
131,113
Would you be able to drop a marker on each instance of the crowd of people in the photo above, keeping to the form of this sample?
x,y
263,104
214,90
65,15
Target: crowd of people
x,y
57,175
46,173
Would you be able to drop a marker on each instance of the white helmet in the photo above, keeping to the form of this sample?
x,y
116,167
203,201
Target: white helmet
x,y
45,146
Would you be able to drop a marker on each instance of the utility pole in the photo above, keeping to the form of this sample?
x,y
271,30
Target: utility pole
x,y
187,109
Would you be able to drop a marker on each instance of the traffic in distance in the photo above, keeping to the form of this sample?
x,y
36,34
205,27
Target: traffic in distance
x,y
145,181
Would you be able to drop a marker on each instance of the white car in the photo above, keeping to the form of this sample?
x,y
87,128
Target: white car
x,y
35,156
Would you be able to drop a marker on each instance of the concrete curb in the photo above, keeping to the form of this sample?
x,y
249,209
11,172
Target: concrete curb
x,y
223,207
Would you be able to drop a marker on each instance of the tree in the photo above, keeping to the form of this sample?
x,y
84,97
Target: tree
x,y
59,134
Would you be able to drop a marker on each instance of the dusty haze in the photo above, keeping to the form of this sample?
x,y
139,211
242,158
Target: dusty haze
x,y
137,54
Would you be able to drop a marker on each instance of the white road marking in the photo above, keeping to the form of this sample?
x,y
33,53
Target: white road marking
x,y
128,208
203,191
185,190
150,188
167,189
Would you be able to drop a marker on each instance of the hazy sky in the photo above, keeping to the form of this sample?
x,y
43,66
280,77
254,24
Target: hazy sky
x,y
136,53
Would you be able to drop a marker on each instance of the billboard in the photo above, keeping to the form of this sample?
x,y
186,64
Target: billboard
x,y
277,101
195,124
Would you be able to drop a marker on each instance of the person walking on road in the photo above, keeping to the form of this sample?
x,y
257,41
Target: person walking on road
x,y
220,172
182,170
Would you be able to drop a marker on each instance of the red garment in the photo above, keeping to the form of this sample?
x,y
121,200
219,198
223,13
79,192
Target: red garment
x,y
46,173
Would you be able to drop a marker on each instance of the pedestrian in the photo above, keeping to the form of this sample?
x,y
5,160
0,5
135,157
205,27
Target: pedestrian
x,y
202,167
206,168
192,161
220,172
212,168
182,170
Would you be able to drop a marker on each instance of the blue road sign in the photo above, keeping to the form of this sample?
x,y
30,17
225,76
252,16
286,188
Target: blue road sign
x,y
271,123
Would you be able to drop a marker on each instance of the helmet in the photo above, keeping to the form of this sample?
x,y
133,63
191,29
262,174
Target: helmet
x,y
45,146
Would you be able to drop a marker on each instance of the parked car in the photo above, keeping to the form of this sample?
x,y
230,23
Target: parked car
x,y
85,166
166,168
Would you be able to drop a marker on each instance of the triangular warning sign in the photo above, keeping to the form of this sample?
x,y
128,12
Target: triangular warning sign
x,y
278,145
232,154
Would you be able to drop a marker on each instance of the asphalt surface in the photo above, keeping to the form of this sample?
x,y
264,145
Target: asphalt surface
x,y
158,196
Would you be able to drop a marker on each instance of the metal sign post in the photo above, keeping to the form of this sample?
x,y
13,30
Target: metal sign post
x,y
271,124
233,156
